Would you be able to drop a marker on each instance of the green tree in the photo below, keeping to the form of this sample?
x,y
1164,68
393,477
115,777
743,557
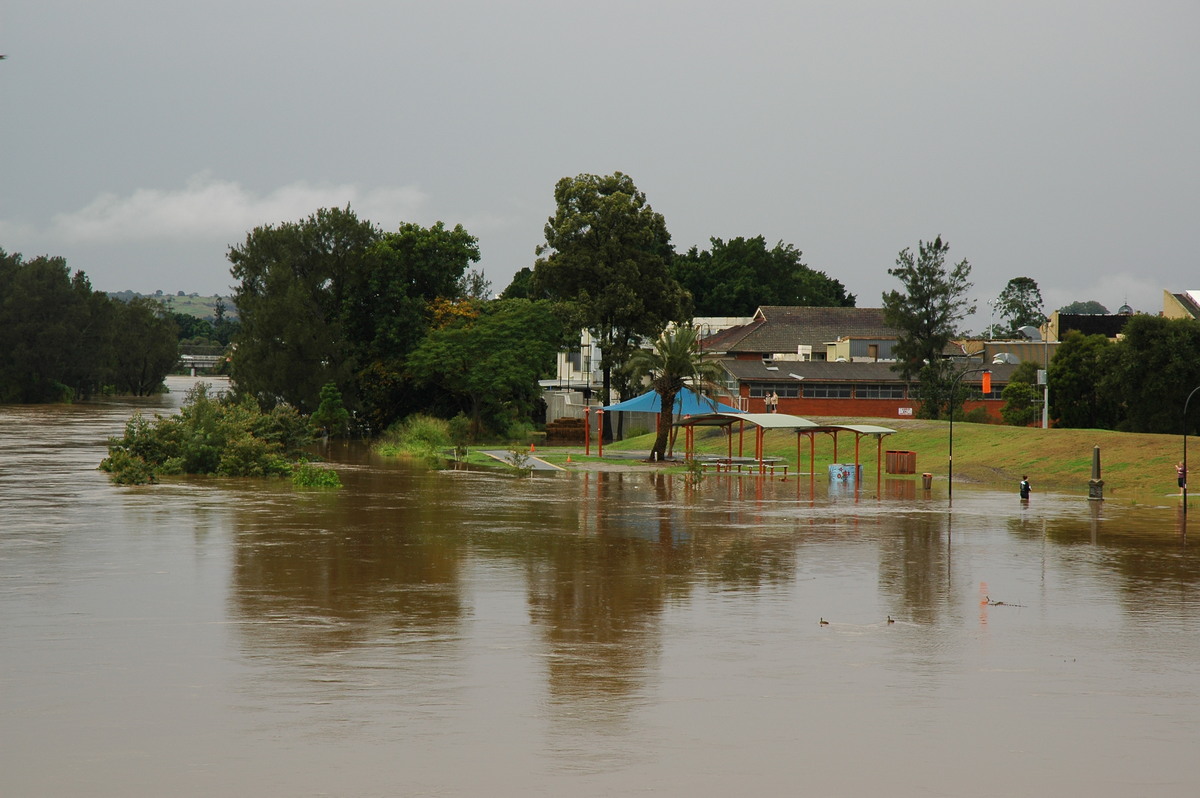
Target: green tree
x,y
675,360
608,253
474,285
294,280
1022,398
489,364
735,278
55,332
331,417
334,299
521,286
1091,306
1020,305
1156,364
1077,376
145,346
194,329
925,316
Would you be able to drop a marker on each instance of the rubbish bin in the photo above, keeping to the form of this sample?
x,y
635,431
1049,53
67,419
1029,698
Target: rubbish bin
x,y
901,462
927,481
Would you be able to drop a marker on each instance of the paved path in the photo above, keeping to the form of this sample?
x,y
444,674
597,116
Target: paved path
x,y
534,462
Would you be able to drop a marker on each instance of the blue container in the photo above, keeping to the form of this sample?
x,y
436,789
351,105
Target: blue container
x,y
845,472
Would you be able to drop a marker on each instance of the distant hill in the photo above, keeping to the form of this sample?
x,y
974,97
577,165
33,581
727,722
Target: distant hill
x,y
202,307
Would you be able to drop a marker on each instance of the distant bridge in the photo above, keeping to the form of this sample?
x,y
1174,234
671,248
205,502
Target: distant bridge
x,y
200,358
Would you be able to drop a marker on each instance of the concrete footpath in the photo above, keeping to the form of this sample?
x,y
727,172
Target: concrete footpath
x,y
533,462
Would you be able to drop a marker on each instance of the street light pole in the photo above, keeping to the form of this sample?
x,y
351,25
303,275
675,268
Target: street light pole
x,y
1046,371
950,464
1185,465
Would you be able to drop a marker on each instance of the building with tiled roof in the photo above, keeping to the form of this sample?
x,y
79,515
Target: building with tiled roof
x,y
808,333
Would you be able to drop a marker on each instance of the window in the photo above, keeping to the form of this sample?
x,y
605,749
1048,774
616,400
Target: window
x,y
784,390
879,391
828,390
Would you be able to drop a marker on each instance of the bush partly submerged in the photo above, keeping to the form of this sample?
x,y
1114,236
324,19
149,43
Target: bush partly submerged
x,y
211,435
416,436
308,475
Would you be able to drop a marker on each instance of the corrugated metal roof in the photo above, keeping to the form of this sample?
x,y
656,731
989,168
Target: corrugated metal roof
x,y
779,421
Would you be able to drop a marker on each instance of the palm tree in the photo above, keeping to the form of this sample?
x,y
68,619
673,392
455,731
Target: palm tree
x,y
675,360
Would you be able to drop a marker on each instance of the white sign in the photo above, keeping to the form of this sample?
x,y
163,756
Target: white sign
x,y
904,411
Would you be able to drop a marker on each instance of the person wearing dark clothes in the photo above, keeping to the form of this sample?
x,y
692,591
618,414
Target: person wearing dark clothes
x,y
1025,487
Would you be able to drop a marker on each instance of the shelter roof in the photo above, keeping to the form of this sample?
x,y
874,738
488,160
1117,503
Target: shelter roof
x,y
687,402
779,421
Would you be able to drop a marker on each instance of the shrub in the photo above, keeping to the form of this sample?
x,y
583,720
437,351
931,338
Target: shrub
x,y
519,430
211,435
417,435
307,475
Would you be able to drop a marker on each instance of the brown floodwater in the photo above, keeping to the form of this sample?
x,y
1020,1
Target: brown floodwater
x,y
465,633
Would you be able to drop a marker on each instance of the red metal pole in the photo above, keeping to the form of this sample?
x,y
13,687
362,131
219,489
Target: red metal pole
x,y
857,469
812,464
600,432
878,457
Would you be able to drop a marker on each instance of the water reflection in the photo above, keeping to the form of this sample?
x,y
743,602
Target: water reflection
x,y
447,632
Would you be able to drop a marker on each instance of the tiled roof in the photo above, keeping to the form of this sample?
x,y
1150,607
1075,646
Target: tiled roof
x,y
782,329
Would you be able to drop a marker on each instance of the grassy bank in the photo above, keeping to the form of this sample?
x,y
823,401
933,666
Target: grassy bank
x,y
1133,466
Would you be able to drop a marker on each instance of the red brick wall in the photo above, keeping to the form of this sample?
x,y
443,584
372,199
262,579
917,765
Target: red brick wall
x,y
868,408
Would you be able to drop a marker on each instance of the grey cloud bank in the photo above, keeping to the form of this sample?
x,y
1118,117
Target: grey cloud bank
x,y
1049,140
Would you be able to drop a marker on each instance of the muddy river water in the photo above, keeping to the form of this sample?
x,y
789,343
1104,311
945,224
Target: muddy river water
x,y
456,633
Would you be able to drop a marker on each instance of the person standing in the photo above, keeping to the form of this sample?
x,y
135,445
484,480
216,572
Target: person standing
x,y
1181,476
1025,489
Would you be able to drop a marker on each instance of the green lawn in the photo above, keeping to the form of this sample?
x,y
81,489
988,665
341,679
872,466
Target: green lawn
x,y
1133,466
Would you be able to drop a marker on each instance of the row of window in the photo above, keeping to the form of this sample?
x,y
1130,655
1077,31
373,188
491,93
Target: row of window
x,y
838,390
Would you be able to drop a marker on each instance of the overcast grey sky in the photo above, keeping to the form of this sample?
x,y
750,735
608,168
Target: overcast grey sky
x,y
1054,140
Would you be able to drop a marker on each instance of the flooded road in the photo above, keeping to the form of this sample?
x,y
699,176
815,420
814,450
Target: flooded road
x,y
460,633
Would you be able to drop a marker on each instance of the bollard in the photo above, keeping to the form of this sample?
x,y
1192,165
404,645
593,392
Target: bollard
x,y
1095,484
927,481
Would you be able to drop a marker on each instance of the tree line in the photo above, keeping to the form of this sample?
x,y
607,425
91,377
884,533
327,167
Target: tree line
x,y
61,340
397,321
400,323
